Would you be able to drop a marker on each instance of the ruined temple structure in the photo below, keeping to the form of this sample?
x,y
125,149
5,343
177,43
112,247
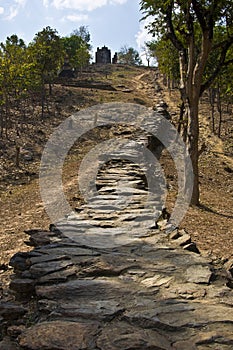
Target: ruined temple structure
x,y
115,58
103,56
66,71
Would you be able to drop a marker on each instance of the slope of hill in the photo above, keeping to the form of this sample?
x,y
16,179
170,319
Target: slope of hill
x,y
21,206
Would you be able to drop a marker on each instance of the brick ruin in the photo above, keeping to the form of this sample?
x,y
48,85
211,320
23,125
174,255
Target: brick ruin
x,y
103,56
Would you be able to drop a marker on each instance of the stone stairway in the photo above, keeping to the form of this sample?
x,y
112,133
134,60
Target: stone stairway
x,y
111,276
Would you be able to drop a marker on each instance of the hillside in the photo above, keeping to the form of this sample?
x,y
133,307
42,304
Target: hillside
x,y
21,207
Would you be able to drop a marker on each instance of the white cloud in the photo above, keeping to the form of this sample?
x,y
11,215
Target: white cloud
x,y
143,36
13,13
21,2
15,8
76,18
1,10
118,2
46,3
81,5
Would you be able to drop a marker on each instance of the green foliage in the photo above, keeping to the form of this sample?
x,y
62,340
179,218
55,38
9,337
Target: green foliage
x,y
16,77
84,34
128,55
46,52
77,47
82,57
167,57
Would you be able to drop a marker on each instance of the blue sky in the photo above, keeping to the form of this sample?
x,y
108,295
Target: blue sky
x,y
113,23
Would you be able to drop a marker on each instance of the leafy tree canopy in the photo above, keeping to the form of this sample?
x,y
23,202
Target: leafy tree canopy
x,y
47,52
128,55
76,44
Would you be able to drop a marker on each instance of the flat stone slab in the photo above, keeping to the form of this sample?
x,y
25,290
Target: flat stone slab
x,y
85,309
121,335
60,335
7,344
88,288
11,311
199,274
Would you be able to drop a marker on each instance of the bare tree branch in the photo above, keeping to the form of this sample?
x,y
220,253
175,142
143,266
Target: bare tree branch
x,y
200,13
170,30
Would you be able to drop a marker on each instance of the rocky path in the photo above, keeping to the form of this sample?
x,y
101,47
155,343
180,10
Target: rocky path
x,y
114,276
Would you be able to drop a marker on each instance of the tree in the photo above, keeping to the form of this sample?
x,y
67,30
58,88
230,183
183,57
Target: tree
x,y
47,55
128,55
148,53
77,47
14,77
19,84
84,34
82,57
191,26
167,58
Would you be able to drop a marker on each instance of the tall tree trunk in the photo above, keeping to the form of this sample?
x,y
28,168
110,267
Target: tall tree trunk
x,y
219,106
17,155
193,90
181,118
7,115
192,144
212,101
42,97
1,122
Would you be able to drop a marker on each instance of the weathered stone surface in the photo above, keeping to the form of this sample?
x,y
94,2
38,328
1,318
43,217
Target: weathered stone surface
x,y
60,335
185,345
191,291
59,276
170,316
11,311
91,289
156,281
7,344
213,337
192,248
199,274
44,268
23,285
71,249
104,310
19,261
15,331
175,234
108,265
121,335
47,258
229,266
183,240
39,238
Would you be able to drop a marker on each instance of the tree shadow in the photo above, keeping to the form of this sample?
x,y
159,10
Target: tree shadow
x,y
210,210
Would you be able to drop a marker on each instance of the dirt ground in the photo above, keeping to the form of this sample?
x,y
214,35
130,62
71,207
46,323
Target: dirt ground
x,y
210,225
